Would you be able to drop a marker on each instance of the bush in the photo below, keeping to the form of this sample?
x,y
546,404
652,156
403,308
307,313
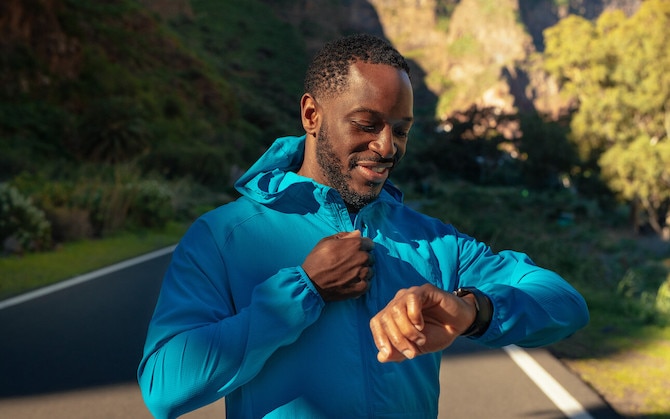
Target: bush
x,y
21,223
645,291
663,301
98,200
69,224
151,204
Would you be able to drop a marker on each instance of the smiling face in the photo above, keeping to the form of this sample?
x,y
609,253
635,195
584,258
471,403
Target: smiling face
x,y
356,137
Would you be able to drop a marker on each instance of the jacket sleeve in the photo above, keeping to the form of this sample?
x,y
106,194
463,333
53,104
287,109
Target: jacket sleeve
x,y
199,347
532,306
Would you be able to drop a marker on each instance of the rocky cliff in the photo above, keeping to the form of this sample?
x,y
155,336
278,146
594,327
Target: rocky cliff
x,y
469,53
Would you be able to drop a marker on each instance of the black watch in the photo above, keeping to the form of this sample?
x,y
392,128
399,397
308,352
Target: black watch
x,y
484,309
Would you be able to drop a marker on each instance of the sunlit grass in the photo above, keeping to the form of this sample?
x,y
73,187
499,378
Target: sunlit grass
x,y
634,381
30,271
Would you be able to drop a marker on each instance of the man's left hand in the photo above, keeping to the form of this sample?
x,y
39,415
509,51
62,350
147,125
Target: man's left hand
x,y
420,320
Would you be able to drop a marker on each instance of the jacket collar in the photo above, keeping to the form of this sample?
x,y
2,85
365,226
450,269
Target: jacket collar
x,y
274,175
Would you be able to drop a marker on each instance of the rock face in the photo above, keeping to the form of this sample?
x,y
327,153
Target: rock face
x,y
35,26
469,53
484,57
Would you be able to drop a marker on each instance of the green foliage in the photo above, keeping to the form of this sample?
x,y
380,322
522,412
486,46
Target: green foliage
x,y
641,288
21,221
128,90
548,153
31,135
617,71
265,66
663,301
99,200
112,130
183,99
151,205
561,3
483,146
640,172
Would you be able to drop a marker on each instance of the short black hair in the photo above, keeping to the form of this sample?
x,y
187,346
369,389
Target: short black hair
x,y
328,71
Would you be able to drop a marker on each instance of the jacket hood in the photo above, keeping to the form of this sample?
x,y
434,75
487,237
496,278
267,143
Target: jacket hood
x,y
275,171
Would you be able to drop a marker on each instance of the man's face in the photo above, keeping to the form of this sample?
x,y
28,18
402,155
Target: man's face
x,y
363,132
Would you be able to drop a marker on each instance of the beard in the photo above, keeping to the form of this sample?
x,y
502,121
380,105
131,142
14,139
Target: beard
x,y
335,173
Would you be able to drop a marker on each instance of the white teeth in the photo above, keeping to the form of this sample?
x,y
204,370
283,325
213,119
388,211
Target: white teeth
x,y
378,169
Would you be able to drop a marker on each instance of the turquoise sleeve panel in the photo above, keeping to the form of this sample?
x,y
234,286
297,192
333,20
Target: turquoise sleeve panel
x,y
199,347
532,306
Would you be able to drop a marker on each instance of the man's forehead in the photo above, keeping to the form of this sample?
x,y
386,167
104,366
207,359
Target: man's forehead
x,y
367,69
379,84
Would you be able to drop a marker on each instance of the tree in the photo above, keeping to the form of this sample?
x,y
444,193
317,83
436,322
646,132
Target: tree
x,y
616,69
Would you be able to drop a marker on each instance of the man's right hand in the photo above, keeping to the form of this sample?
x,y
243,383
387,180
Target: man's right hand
x,y
340,266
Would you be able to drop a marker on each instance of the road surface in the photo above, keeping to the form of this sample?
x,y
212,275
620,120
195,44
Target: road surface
x,y
71,351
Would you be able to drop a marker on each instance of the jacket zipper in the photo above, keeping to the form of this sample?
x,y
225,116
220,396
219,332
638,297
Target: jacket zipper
x,y
363,332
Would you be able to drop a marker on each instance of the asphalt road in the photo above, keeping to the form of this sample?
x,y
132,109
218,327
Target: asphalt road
x,y
73,352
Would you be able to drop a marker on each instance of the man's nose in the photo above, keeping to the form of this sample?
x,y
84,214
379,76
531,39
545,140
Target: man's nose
x,y
383,144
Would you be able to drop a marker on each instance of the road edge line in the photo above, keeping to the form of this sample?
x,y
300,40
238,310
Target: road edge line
x,y
40,292
548,384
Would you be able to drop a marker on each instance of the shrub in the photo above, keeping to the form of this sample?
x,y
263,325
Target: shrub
x,y
21,222
644,290
92,203
151,204
663,301
69,224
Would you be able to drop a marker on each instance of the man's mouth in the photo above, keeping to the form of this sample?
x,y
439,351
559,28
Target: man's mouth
x,y
375,172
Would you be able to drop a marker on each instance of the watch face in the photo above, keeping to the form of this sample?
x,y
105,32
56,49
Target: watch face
x,y
463,291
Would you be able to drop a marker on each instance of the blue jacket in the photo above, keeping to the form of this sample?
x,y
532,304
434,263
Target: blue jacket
x,y
238,317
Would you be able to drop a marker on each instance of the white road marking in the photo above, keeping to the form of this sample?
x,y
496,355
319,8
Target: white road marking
x,y
549,386
83,278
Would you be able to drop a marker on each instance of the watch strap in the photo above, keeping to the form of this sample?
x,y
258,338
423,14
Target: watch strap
x,y
484,309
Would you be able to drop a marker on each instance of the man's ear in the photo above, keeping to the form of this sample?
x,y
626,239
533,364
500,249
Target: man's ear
x,y
309,114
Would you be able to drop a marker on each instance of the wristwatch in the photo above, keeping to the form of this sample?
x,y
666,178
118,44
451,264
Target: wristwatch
x,y
484,309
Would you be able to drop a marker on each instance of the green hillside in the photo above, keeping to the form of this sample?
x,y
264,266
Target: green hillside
x,y
112,117
190,97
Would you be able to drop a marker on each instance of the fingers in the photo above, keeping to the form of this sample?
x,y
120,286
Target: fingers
x,y
340,266
366,243
364,251
418,320
397,329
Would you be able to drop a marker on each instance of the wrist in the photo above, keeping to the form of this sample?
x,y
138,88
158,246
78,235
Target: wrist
x,y
483,311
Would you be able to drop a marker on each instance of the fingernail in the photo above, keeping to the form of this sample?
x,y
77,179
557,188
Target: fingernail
x,y
408,354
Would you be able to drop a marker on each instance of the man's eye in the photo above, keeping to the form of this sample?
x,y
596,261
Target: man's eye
x,y
401,133
366,128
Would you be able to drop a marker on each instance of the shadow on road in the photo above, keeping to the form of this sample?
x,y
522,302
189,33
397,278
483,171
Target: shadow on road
x,y
84,336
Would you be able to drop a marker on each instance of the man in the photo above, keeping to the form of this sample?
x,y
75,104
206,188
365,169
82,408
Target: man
x,y
318,293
